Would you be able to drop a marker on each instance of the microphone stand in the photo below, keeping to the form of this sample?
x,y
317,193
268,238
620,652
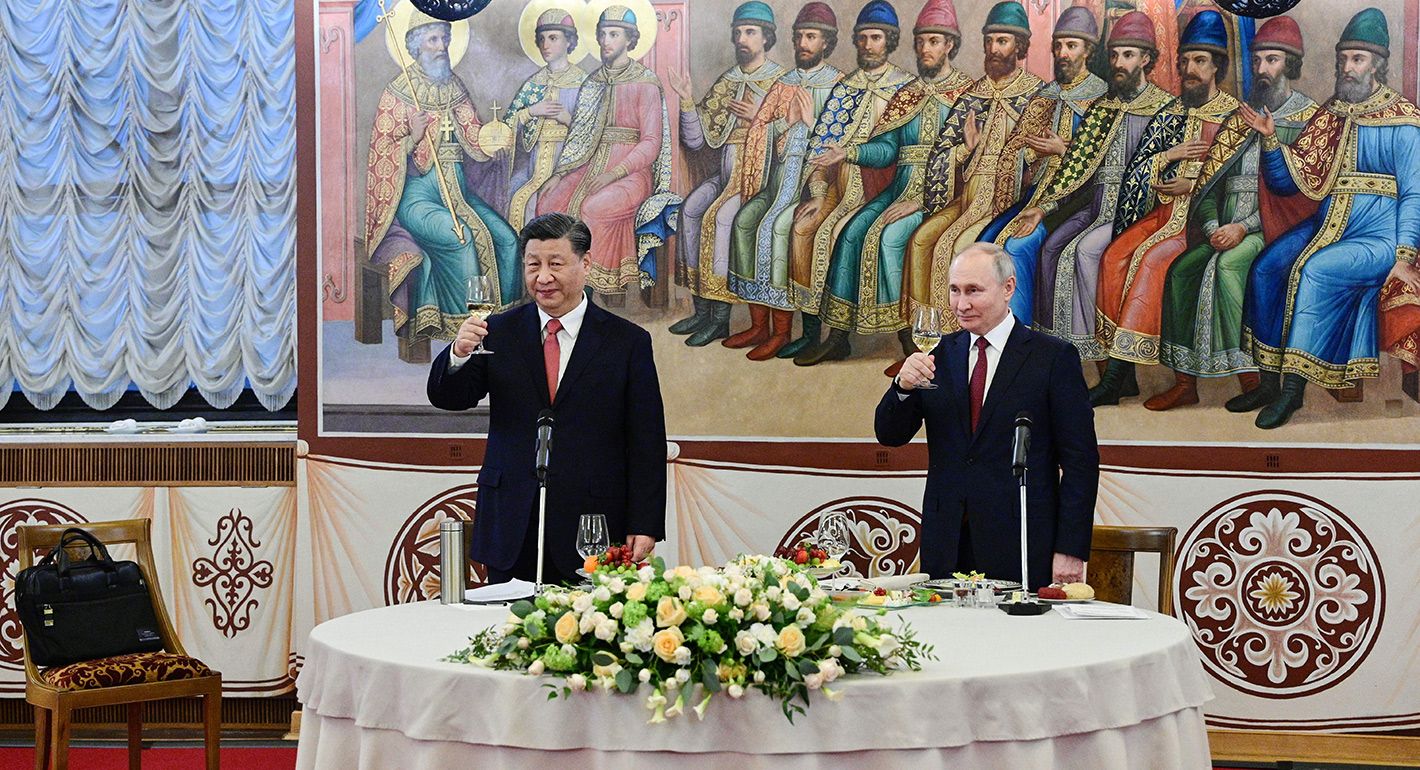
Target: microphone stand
x,y
1020,452
544,449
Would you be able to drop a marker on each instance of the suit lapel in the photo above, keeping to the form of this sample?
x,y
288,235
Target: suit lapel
x,y
1012,356
956,368
528,329
589,340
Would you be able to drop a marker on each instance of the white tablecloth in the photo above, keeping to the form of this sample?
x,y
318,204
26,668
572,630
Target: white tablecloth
x,y
1005,691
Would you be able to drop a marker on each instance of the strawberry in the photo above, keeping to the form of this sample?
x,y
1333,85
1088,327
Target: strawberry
x,y
880,591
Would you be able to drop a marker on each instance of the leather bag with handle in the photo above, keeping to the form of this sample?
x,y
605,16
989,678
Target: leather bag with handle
x,y
84,609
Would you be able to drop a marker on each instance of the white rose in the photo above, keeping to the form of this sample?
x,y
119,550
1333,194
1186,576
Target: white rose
x,y
682,675
813,681
640,636
736,691
523,643
616,584
646,574
616,610
671,685
711,617
745,643
682,656
772,593
684,593
742,598
806,616
627,646
834,650
830,669
764,634
759,677
644,675
577,682
606,630
791,602
537,667
602,594
761,611
736,614
582,602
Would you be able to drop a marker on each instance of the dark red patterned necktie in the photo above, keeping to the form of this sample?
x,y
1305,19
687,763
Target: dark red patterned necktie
x,y
978,381
552,356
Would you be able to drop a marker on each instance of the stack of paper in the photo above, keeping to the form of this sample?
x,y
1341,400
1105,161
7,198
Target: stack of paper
x,y
499,592
1100,611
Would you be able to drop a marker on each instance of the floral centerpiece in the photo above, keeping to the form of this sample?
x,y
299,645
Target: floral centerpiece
x,y
688,634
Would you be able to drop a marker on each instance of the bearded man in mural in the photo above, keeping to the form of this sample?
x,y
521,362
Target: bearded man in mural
x,y
960,196
541,112
865,274
1047,125
720,122
615,169
1201,335
1311,309
836,192
1069,222
1192,140
423,222
772,180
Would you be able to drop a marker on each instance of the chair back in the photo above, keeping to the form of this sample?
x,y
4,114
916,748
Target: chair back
x,y
137,532
1111,568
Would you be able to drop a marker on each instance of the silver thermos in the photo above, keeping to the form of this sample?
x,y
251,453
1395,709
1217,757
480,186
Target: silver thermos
x,y
453,562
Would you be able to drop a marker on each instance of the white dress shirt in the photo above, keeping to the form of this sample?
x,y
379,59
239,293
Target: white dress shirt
x,y
566,337
995,343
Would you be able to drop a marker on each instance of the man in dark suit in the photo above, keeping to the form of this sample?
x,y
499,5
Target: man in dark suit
x,y
993,369
595,372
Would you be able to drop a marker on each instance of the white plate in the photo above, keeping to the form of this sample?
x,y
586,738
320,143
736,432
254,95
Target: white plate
x,y
1064,601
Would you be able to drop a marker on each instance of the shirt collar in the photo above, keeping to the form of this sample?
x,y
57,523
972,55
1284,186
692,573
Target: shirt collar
x,y
571,320
997,337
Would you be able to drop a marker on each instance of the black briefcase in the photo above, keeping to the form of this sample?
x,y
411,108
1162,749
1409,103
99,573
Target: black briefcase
x,y
84,609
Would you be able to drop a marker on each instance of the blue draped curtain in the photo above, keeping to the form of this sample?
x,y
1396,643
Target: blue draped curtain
x,y
147,200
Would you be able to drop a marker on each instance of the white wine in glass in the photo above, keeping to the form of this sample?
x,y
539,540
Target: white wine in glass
x,y
926,333
482,299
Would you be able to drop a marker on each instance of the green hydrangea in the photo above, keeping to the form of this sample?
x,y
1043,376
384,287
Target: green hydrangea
x,y
632,614
534,628
711,641
556,659
655,591
696,610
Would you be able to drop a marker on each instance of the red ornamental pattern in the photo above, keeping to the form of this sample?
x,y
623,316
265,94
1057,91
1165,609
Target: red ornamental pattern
x,y
233,573
1283,593
412,567
885,535
13,515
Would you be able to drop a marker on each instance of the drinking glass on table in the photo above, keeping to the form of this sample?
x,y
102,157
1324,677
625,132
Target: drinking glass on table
x,y
592,539
832,535
926,333
482,298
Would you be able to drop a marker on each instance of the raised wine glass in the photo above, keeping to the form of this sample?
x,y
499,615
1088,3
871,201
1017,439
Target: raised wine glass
x,y
926,333
482,298
592,539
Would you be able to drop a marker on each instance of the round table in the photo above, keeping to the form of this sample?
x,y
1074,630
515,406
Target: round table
x,y
1005,691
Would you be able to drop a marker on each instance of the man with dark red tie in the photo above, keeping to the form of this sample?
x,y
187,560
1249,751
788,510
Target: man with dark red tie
x,y
992,370
595,372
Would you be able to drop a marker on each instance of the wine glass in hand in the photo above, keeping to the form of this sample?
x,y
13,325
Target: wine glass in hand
x,y
926,333
592,538
482,298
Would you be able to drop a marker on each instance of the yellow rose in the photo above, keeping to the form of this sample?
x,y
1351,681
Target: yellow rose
x,y
636,592
709,596
791,641
608,671
567,628
666,642
684,572
670,612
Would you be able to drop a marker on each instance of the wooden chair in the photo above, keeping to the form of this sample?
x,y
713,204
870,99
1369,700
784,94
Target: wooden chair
x,y
56,692
1111,568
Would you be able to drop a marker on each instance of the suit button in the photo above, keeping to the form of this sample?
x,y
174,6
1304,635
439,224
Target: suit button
x,y
970,460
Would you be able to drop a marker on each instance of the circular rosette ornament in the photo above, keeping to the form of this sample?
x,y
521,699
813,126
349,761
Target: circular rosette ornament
x,y
451,10
1257,9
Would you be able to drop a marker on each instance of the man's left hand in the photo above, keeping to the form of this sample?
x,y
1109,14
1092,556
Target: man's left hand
x,y
641,546
1067,569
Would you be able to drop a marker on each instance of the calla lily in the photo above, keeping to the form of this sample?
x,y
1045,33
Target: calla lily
x,y
700,710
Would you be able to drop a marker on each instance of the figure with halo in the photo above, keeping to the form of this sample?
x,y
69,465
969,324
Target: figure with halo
x,y
541,111
423,222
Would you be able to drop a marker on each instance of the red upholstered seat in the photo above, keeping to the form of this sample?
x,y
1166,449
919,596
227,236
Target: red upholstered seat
x,y
134,668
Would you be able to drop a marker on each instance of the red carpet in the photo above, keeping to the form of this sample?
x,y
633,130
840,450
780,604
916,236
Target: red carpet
x,y
159,758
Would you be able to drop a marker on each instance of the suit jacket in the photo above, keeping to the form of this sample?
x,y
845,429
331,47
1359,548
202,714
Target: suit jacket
x,y
969,474
608,443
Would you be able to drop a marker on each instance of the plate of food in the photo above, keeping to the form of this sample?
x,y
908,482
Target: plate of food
x,y
1066,593
970,579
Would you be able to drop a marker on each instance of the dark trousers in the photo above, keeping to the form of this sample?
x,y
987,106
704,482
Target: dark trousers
x,y
525,567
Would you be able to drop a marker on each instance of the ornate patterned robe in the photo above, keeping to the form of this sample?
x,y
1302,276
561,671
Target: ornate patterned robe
x,y
1312,296
707,219
847,119
960,194
1079,202
620,125
1129,302
538,140
1203,295
771,183
408,228
864,287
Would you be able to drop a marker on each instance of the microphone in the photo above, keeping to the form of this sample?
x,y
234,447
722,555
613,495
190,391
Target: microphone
x,y
544,443
1020,446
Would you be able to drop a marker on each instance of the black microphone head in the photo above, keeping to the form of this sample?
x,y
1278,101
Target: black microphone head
x,y
1023,418
544,417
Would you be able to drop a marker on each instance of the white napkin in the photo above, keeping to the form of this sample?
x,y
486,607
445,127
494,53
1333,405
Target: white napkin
x,y
1100,611
897,582
500,592
194,425
123,426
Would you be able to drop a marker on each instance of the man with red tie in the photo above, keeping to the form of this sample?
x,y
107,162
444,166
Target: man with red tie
x,y
986,374
595,372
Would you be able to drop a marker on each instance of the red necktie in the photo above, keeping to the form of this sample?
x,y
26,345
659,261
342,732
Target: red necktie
x,y
552,356
978,381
